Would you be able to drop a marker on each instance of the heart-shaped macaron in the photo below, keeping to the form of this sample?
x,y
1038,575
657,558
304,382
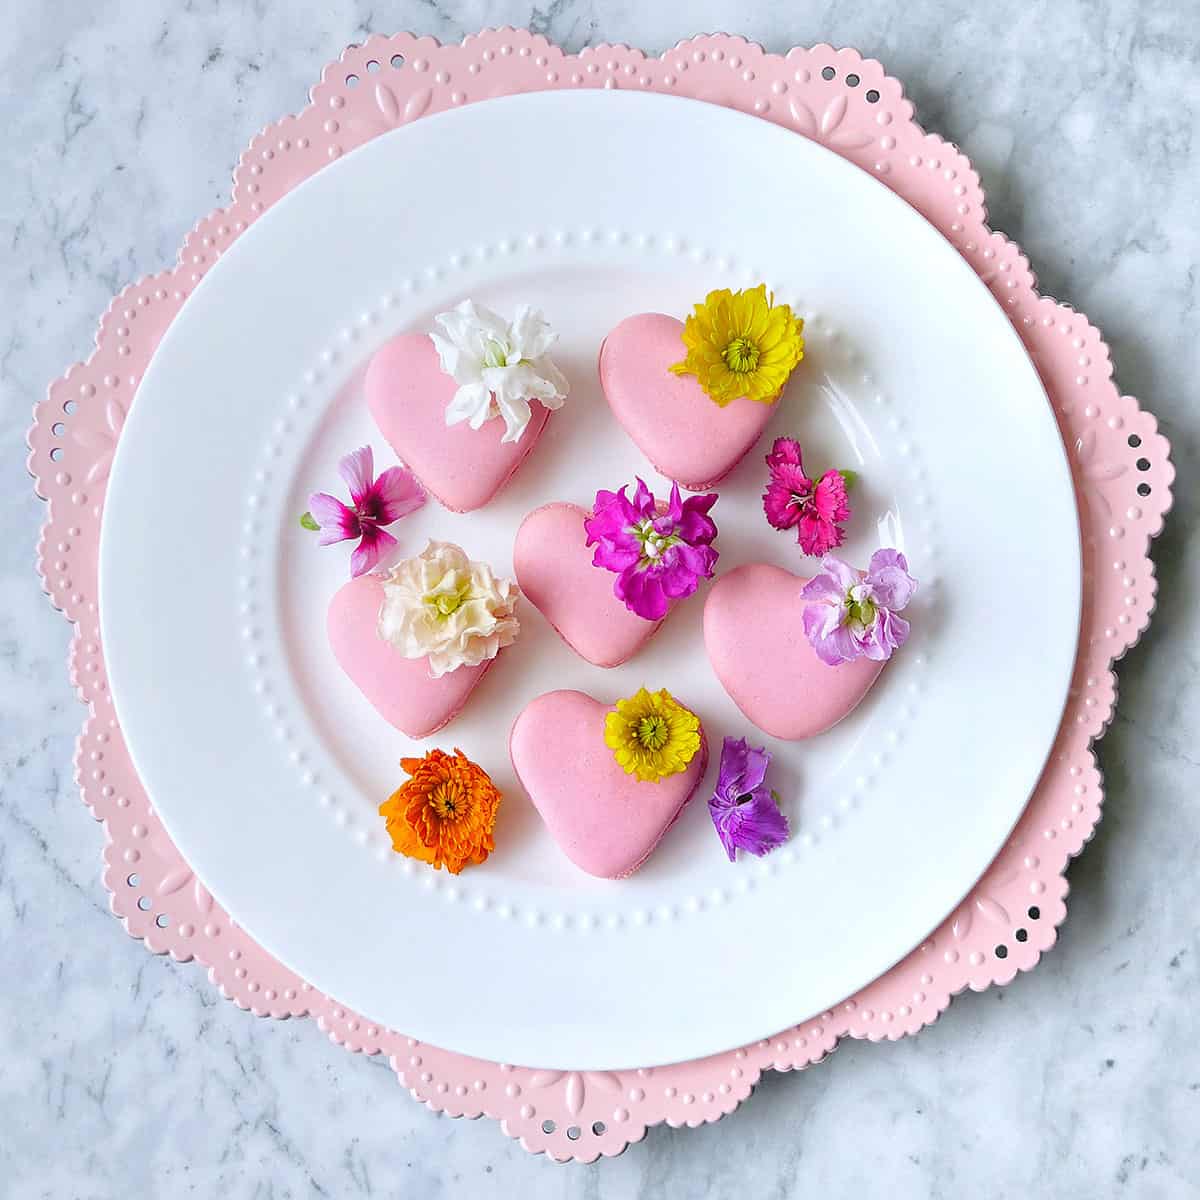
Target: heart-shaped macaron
x,y
403,690
685,435
407,393
554,567
605,821
754,636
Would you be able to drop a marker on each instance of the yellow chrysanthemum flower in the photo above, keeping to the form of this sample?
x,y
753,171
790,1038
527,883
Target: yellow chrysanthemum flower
x,y
652,735
741,344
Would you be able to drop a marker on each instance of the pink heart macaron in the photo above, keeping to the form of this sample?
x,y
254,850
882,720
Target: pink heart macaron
x,y
407,394
403,690
685,435
553,564
754,636
606,822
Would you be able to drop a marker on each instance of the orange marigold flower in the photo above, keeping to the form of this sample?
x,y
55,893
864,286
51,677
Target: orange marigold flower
x,y
445,813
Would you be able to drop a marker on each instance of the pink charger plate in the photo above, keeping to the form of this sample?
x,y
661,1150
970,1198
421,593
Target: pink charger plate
x,y
1119,460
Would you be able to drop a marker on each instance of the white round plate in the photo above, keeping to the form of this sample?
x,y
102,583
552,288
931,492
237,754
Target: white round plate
x,y
267,766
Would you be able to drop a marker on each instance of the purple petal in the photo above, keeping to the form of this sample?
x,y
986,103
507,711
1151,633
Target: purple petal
x,y
337,522
371,547
675,507
887,573
395,494
754,824
734,753
358,470
824,589
842,573
758,759
694,523
889,633
642,593
643,500
699,561
832,641
612,515
675,577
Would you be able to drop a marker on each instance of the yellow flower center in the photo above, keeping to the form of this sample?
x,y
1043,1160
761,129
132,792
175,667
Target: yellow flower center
x,y
447,802
652,732
741,356
445,604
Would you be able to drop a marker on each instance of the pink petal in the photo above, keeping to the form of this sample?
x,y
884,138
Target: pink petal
x,y
777,504
818,536
395,494
337,522
358,470
785,450
829,498
372,546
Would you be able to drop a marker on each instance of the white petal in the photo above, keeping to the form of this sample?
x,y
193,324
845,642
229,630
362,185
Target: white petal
x,y
530,335
472,402
516,414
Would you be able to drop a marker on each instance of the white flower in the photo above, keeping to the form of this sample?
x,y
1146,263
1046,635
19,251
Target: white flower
x,y
499,367
443,606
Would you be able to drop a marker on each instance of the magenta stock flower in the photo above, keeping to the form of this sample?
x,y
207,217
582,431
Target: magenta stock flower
x,y
376,503
850,615
659,555
743,809
816,509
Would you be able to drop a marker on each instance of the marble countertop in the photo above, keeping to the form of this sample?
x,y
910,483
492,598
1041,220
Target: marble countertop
x,y
127,1075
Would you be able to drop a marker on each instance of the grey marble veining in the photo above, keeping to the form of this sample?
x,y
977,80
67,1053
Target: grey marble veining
x,y
126,1075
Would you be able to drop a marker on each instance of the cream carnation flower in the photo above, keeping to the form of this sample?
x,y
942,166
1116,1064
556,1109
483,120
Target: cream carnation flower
x,y
498,366
442,606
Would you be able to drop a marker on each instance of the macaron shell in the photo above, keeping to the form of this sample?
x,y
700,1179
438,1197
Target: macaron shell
x,y
754,636
401,689
407,394
553,564
684,434
606,821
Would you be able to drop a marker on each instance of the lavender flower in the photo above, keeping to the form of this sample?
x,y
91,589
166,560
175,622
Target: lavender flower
x,y
854,616
743,808
658,554
376,503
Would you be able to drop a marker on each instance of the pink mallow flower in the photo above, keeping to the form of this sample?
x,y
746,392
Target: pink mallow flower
x,y
816,509
850,615
659,555
376,503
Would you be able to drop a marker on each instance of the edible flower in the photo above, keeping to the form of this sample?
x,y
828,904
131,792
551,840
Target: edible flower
x,y
445,813
499,366
652,735
743,809
659,552
815,509
376,503
741,344
442,606
850,615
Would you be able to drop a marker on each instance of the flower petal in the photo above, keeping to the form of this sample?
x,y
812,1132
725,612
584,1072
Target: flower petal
x,y
472,402
397,493
785,450
642,593
337,522
371,547
358,470
887,573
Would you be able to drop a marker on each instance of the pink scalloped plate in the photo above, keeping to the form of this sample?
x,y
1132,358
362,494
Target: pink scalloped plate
x,y
1119,461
